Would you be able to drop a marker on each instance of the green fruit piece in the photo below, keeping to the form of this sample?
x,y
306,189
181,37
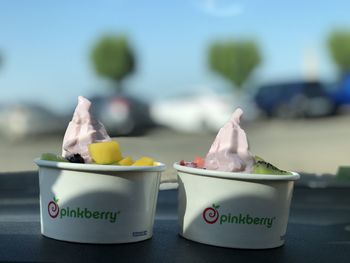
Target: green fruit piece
x,y
263,167
52,157
258,158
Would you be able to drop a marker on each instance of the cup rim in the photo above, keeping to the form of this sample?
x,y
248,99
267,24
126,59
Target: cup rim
x,y
99,167
235,175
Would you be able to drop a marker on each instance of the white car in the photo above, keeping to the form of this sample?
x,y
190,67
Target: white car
x,y
21,120
199,112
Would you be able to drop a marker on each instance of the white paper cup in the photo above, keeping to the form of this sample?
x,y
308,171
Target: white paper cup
x,y
234,210
92,203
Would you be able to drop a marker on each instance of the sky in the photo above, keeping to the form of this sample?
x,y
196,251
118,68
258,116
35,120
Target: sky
x,y
46,44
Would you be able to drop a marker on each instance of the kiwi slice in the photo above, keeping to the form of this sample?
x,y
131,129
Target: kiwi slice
x,y
263,167
52,157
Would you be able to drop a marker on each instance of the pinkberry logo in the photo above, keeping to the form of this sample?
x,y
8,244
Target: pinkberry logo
x,y
53,208
65,212
211,214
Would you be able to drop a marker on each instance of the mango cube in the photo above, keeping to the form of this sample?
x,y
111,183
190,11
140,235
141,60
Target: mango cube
x,y
105,152
127,161
144,161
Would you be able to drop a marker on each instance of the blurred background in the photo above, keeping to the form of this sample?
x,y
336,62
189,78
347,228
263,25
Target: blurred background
x,y
164,76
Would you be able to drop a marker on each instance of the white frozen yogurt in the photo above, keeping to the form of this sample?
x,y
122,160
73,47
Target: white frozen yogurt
x,y
230,151
83,130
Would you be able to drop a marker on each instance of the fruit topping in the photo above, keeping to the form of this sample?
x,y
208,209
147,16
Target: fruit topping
x,y
127,161
199,161
75,158
105,152
52,157
263,167
144,161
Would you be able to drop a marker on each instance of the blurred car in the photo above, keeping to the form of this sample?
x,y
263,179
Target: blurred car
x,y
199,112
21,120
340,94
295,99
120,114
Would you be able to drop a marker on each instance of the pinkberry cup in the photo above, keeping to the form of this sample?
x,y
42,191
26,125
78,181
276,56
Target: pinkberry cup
x,y
235,210
102,204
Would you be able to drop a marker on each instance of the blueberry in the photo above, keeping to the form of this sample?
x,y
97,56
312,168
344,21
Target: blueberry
x,y
75,158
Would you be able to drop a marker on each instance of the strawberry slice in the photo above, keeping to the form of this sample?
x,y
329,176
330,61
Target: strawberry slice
x,y
199,161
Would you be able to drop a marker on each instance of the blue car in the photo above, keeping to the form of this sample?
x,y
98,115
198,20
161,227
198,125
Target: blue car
x,y
341,93
295,99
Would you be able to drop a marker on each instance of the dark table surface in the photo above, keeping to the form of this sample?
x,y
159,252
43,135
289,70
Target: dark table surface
x,y
318,230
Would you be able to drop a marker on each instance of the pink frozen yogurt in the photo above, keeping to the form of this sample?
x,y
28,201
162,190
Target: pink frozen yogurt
x,y
83,130
230,151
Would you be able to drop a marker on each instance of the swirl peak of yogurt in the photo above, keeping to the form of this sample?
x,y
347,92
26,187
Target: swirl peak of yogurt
x,y
230,151
83,130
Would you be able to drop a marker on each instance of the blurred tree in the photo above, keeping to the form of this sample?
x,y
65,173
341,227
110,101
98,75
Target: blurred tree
x,y
234,60
113,59
339,47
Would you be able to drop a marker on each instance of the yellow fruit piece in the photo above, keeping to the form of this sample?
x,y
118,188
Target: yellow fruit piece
x,y
127,161
144,161
105,152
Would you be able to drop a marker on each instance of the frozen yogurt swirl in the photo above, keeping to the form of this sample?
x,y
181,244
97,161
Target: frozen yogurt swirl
x,y
83,130
230,151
